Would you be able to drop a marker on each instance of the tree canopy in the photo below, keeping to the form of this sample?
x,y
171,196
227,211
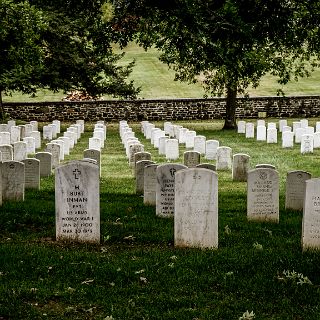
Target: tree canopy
x,y
59,45
227,44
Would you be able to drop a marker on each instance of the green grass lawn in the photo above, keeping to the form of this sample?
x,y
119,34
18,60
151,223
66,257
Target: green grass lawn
x,y
136,272
157,81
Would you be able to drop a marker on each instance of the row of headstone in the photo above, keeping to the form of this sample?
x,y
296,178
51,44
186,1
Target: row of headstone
x,y
97,141
61,146
300,132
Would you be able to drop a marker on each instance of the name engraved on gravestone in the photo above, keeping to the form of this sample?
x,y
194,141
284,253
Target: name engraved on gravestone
x,y
12,180
150,184
196,208
165,188
311,216
263,195
45,163
77,202
32,173
295,189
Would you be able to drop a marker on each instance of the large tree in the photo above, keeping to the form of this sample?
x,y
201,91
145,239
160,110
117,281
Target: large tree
x,y
227,44
59,45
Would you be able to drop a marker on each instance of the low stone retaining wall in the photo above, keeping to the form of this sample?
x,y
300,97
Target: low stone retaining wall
x,y
177,109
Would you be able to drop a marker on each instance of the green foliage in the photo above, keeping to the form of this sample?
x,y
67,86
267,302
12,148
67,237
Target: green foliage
x,y
60,46
21,58
229,44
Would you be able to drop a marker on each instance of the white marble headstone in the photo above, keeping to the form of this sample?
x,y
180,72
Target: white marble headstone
x,y
45,163
240,167
77,198
311,214
296,188
196,208
263,195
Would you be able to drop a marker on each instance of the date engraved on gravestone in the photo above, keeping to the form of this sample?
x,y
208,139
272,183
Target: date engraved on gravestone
x,y
165,189
196,208
77,202
263,195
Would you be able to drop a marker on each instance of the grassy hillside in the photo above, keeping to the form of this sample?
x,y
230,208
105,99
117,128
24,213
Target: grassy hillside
x,y
157,81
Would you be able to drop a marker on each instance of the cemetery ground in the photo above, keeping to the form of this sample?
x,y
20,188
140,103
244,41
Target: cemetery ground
x,y
136,272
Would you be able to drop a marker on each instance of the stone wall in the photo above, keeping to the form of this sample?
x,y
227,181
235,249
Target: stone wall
x,y
177,109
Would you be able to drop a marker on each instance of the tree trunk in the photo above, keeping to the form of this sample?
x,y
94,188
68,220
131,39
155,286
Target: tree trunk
x,y
231,104
1,107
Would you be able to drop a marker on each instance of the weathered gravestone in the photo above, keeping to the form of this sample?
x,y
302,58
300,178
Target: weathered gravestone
x,y
95,155
191,158
272,135
190,135
224,158
316,140
66,145
241,126
196,208
95,143
5,138
37,136
172,149
298,134
12,180
150,184
282,123
162,145
240,167
77,202
211,149
287,139
261,133
296,188
45,163
249,130
165,188
31,144
19,150
138,156
263,195
311,214
200,144
306,143
15,134
31,173
133,149
6,152
54,149
139,174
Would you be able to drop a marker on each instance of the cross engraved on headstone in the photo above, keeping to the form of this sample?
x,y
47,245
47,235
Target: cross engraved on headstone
x,y
76,172
173,171
11,166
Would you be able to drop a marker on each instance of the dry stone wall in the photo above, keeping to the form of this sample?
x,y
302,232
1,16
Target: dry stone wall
x,y
152,110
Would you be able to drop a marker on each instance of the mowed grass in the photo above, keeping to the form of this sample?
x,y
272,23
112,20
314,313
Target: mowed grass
x,y
156,81
136,272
